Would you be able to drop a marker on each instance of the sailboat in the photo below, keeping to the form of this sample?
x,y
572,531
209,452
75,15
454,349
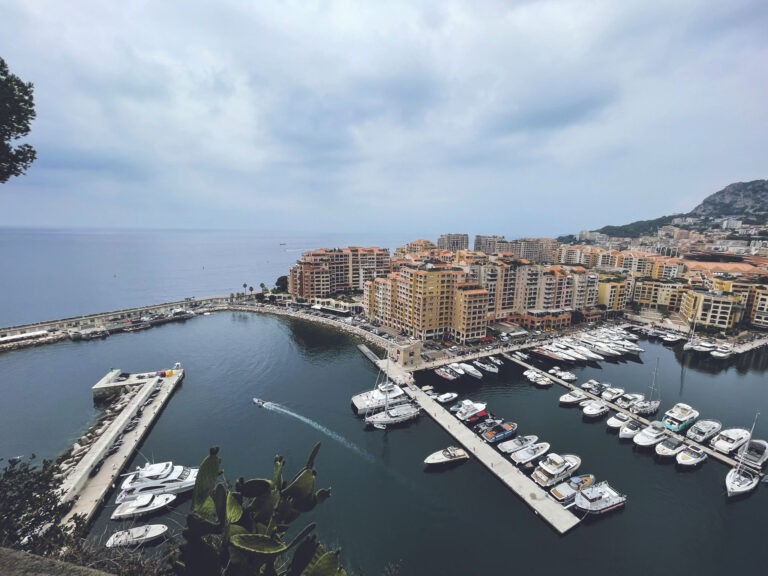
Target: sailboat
x,y
691,340
742,479
649,406
391,415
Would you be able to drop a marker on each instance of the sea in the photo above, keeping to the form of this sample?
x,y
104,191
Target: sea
x,y
386,508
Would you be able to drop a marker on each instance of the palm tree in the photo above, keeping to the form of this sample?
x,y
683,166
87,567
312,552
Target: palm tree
x,y
250,289
263,287
245,287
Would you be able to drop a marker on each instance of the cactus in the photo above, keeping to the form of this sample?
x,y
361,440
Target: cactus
x,y
238,532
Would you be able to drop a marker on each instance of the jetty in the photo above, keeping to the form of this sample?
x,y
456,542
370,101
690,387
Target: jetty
x,y
99,465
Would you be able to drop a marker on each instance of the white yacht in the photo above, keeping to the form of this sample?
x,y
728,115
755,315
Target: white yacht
x,y
691,456
496,361
446,456
144,504
161,478
730,440
599,498
723,351
573,397
594,408
447,397
743,479
471,370
543,382
554,468
671,446
492,368
679,417
456,368
529,453
519,443
651,435
705,346
566,492
393,415
137,536
469,408
626,400
703,430
385,393
754,453
594,387
617,420
611,394
630,430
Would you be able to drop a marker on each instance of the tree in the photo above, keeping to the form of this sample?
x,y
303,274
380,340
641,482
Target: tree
x,y
263,287
281,284
250,289
245,287
17,110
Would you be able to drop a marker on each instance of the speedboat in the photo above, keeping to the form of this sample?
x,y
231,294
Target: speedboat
x,y
671,446
740,480
626,400
445,373
651,435
670,338
630,430
679,417
554,468
455,407
730,440
456,368
487,424
161,478
530,453
471,370
500,432
511,446
703,430
469,408
722,352
257,401
594,408
447,397
487,367
446,456
594,387
617,420
691,456
705,346
543,382
611,394
141,505
496,361
754,453
481,416
573,397
599,498
566,491
137,536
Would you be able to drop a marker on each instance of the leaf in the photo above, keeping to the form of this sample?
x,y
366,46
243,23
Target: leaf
x,y
312,455
328,565
206,478
207,509
258,544
302,486
199,527
220,501
255,487
234,507
301,535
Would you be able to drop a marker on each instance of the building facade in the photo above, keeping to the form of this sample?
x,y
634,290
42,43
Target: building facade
x,y
453,242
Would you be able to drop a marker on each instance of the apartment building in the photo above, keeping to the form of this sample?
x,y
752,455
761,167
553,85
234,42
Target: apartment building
x,y
758,314
612,294
711,309
488,244
652,294
453,242
531,249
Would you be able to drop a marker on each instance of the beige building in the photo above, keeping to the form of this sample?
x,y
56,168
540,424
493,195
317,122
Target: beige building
x,y
710,309
759,311
453,242
651,294
612,294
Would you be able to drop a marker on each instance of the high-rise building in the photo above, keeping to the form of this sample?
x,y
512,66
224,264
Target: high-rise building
x,y
488,244
453,242
321,273
533,249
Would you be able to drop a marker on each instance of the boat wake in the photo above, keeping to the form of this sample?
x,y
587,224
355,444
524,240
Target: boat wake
x,y
274,407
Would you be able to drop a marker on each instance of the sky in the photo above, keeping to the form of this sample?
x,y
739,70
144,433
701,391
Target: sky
x,y
530,118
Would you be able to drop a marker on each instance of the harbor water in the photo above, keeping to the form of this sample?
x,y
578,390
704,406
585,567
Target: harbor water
x,y
385,507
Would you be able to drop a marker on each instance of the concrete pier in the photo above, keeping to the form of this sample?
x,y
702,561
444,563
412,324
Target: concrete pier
x,y
88,490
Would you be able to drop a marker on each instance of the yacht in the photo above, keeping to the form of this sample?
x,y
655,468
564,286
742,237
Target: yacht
x,y
543,382
691,456
722,352
690,345
384,394
447,397
705,346
481,416
594,387
554,468
159,478
500,432
529,453
599,498
487,367
456,368
455,407
393,415
511,446
496,361
141,505
594,408
469,408
754,453
137,536
487,424
743,479
651,435
626,400
573,397
703,430
445,373
611,394
671,446
566,491
449,455
671,338
617,420
471,370
630,430
679,417
730,440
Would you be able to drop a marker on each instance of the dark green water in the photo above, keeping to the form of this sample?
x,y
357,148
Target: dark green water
x,y
384,506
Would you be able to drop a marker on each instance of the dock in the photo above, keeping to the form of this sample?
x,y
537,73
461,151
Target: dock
x,y
558,517
88,489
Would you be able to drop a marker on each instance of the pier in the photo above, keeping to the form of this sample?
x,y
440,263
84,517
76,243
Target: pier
x,y
89,481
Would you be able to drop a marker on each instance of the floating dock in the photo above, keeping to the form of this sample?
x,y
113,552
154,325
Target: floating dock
x,y
90,480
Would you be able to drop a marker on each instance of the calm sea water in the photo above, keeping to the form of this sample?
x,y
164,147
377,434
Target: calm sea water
x,y
385,507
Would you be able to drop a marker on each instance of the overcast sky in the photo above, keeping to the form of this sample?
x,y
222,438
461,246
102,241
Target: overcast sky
x,y
516,118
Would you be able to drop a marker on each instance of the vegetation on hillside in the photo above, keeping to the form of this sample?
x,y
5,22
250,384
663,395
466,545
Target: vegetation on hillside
x,y
638,228
17,110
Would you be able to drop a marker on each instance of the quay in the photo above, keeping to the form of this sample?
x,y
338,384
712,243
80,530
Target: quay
x,y
142,398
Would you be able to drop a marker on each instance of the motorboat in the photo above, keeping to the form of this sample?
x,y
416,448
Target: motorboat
x,y
455,407
754,453
671,338
599,499
723,351
393,416
161,478
617,420
487,367
383,394
456,368
446,456
471,370
740,480
594,387
630,430
566,376
691,456
469,408
651,435
573,397
566,491
529,453
445,373
258,402
679,417
611,394
703,430
554,468
671,446
481,416
730,440
500,432
511,446
594,408
142,505
496,361
447,397
137,536
487,424
705,346
543,382
626,400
